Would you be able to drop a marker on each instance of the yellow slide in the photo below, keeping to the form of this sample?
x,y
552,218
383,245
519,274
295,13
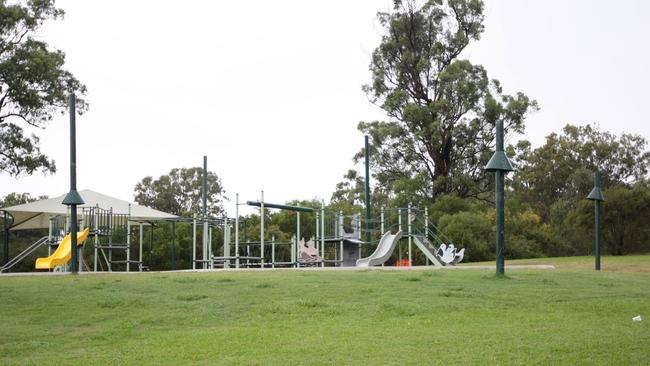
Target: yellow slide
x,y
63,253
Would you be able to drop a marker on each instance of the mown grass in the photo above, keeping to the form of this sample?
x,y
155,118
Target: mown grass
x,y
562,316
630,263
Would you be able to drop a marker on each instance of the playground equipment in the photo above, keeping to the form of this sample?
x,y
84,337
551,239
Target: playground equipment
x,y
383,251
344,240
308,253
117,235
113,232
63,253
336,241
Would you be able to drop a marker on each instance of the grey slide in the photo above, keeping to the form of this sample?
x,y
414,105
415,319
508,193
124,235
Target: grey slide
x,y
383,251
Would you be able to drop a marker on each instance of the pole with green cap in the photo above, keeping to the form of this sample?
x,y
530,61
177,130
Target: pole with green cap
x,y
596,195
500,165
204,194
367,195
73,198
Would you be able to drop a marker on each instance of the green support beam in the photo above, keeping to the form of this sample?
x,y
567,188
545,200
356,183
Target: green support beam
x,y
173,245
596,195
73,198
500,165
5,244
367,196
280,207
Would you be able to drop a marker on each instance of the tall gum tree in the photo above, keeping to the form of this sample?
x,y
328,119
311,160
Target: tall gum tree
x,y
34,86
442,109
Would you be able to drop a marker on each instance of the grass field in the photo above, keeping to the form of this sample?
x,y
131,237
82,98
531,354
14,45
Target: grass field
x,y
631,263
566,316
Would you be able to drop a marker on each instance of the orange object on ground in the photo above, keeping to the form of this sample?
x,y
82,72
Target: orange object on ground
x,y
402,263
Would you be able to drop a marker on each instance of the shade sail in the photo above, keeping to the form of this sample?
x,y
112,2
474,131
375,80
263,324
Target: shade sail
x,y
35,215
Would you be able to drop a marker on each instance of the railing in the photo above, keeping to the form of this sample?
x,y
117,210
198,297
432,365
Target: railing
x,y
30,249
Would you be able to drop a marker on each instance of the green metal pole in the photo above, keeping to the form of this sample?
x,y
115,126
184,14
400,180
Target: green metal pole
x,y
5,245
367,196
500,201
237,230
500,198
151,247
140,246
73,181
410,240
262,230
205,186
500,165
173,245
596,195
194,242
205,212
322,232
597,233
72,199
597,222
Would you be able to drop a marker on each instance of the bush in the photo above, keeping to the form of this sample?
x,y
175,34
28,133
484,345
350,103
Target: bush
x,y
472,231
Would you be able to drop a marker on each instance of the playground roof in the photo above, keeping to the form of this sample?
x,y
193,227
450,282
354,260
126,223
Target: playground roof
x,y
35,215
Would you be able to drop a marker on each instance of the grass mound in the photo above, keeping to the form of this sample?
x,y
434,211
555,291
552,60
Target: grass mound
x,y
564,316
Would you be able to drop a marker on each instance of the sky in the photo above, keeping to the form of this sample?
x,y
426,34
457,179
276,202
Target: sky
x,y
271,91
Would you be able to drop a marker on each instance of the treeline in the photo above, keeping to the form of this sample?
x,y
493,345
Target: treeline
x,y
547,213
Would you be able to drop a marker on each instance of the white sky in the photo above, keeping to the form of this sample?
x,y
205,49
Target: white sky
x,y
271,90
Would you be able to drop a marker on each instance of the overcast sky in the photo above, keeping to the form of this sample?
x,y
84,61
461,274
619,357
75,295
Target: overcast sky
x,y
271,92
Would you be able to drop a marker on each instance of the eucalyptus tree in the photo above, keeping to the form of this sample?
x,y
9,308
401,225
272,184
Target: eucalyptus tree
x,y
441,108
34,85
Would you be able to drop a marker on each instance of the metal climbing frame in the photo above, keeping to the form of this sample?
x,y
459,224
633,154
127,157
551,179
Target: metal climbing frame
x,y
348,231
112,235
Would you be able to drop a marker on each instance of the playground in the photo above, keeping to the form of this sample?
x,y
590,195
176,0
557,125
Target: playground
x,y
347,183
111,234
310,316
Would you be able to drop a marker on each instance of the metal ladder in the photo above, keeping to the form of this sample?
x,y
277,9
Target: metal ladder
x,y
429,250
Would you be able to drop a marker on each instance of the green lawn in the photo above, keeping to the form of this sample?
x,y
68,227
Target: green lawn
x,y
562,316
630,263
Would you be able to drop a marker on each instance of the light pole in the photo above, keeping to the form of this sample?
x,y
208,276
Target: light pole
x,y
73,198
367,196
500,165
597,196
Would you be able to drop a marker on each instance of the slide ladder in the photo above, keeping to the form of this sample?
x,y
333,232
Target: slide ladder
x,y
435,245
428,250
30,249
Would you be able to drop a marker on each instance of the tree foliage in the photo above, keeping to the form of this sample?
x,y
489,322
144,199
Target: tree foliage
x,y
623,220
180,192
562,168
15,198
34,86
442,109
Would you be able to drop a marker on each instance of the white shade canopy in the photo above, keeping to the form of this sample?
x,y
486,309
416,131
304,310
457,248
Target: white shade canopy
x,y
35,215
